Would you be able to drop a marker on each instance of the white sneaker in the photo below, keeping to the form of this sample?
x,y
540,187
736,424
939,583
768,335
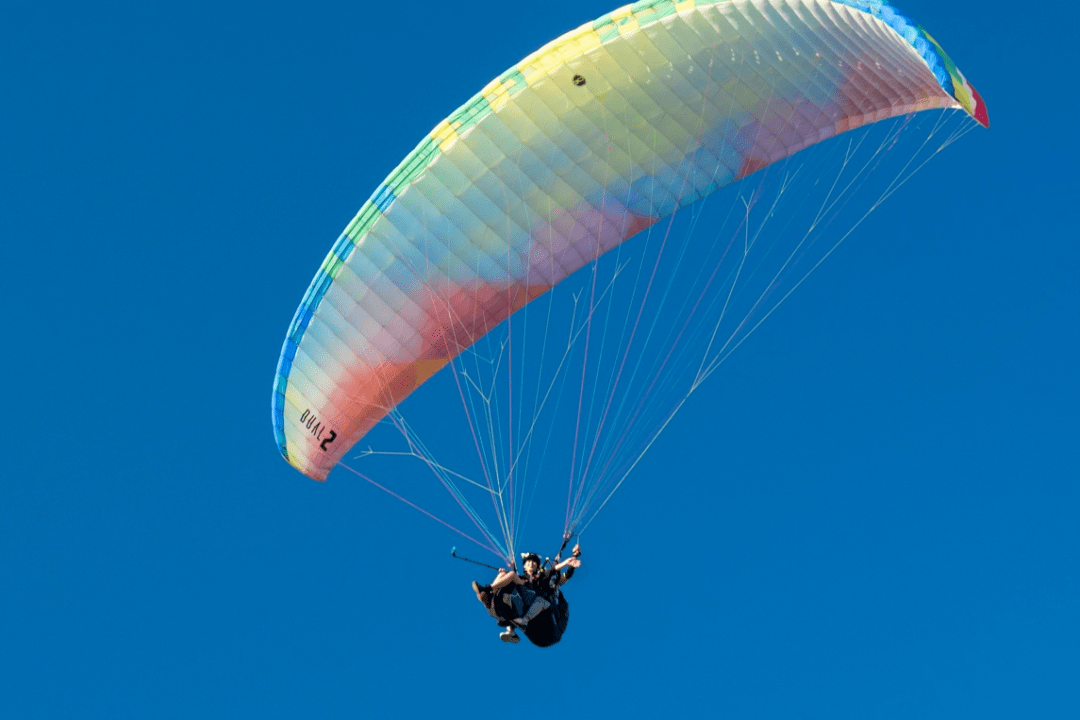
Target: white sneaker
x,y
509,636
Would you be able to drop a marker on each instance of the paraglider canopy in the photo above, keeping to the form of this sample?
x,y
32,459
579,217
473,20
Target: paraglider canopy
x,y
553,163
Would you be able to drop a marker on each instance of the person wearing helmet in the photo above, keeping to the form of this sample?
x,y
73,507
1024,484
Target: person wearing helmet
x,y
516,600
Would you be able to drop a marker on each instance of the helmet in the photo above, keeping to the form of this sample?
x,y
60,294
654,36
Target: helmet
x,y
526,557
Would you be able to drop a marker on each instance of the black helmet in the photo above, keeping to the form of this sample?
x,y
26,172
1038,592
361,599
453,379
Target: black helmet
x,y
526,557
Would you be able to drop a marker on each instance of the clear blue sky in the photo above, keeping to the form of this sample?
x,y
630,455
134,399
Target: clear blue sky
x,y
871,511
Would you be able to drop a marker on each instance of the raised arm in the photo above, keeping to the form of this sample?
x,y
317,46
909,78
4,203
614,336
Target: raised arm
x,y
573,562
574,555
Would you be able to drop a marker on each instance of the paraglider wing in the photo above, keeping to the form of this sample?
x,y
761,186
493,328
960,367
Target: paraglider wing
x,y
581,145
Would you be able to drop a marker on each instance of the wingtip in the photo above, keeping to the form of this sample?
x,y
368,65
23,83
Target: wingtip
x,y
980,114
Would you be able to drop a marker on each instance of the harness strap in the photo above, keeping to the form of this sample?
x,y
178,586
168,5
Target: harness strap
x,y
565,541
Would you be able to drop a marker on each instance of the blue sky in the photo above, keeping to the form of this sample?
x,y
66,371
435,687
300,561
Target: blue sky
x,y
870,511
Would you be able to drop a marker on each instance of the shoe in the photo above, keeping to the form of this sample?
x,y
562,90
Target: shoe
x,y
483,592
509,636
